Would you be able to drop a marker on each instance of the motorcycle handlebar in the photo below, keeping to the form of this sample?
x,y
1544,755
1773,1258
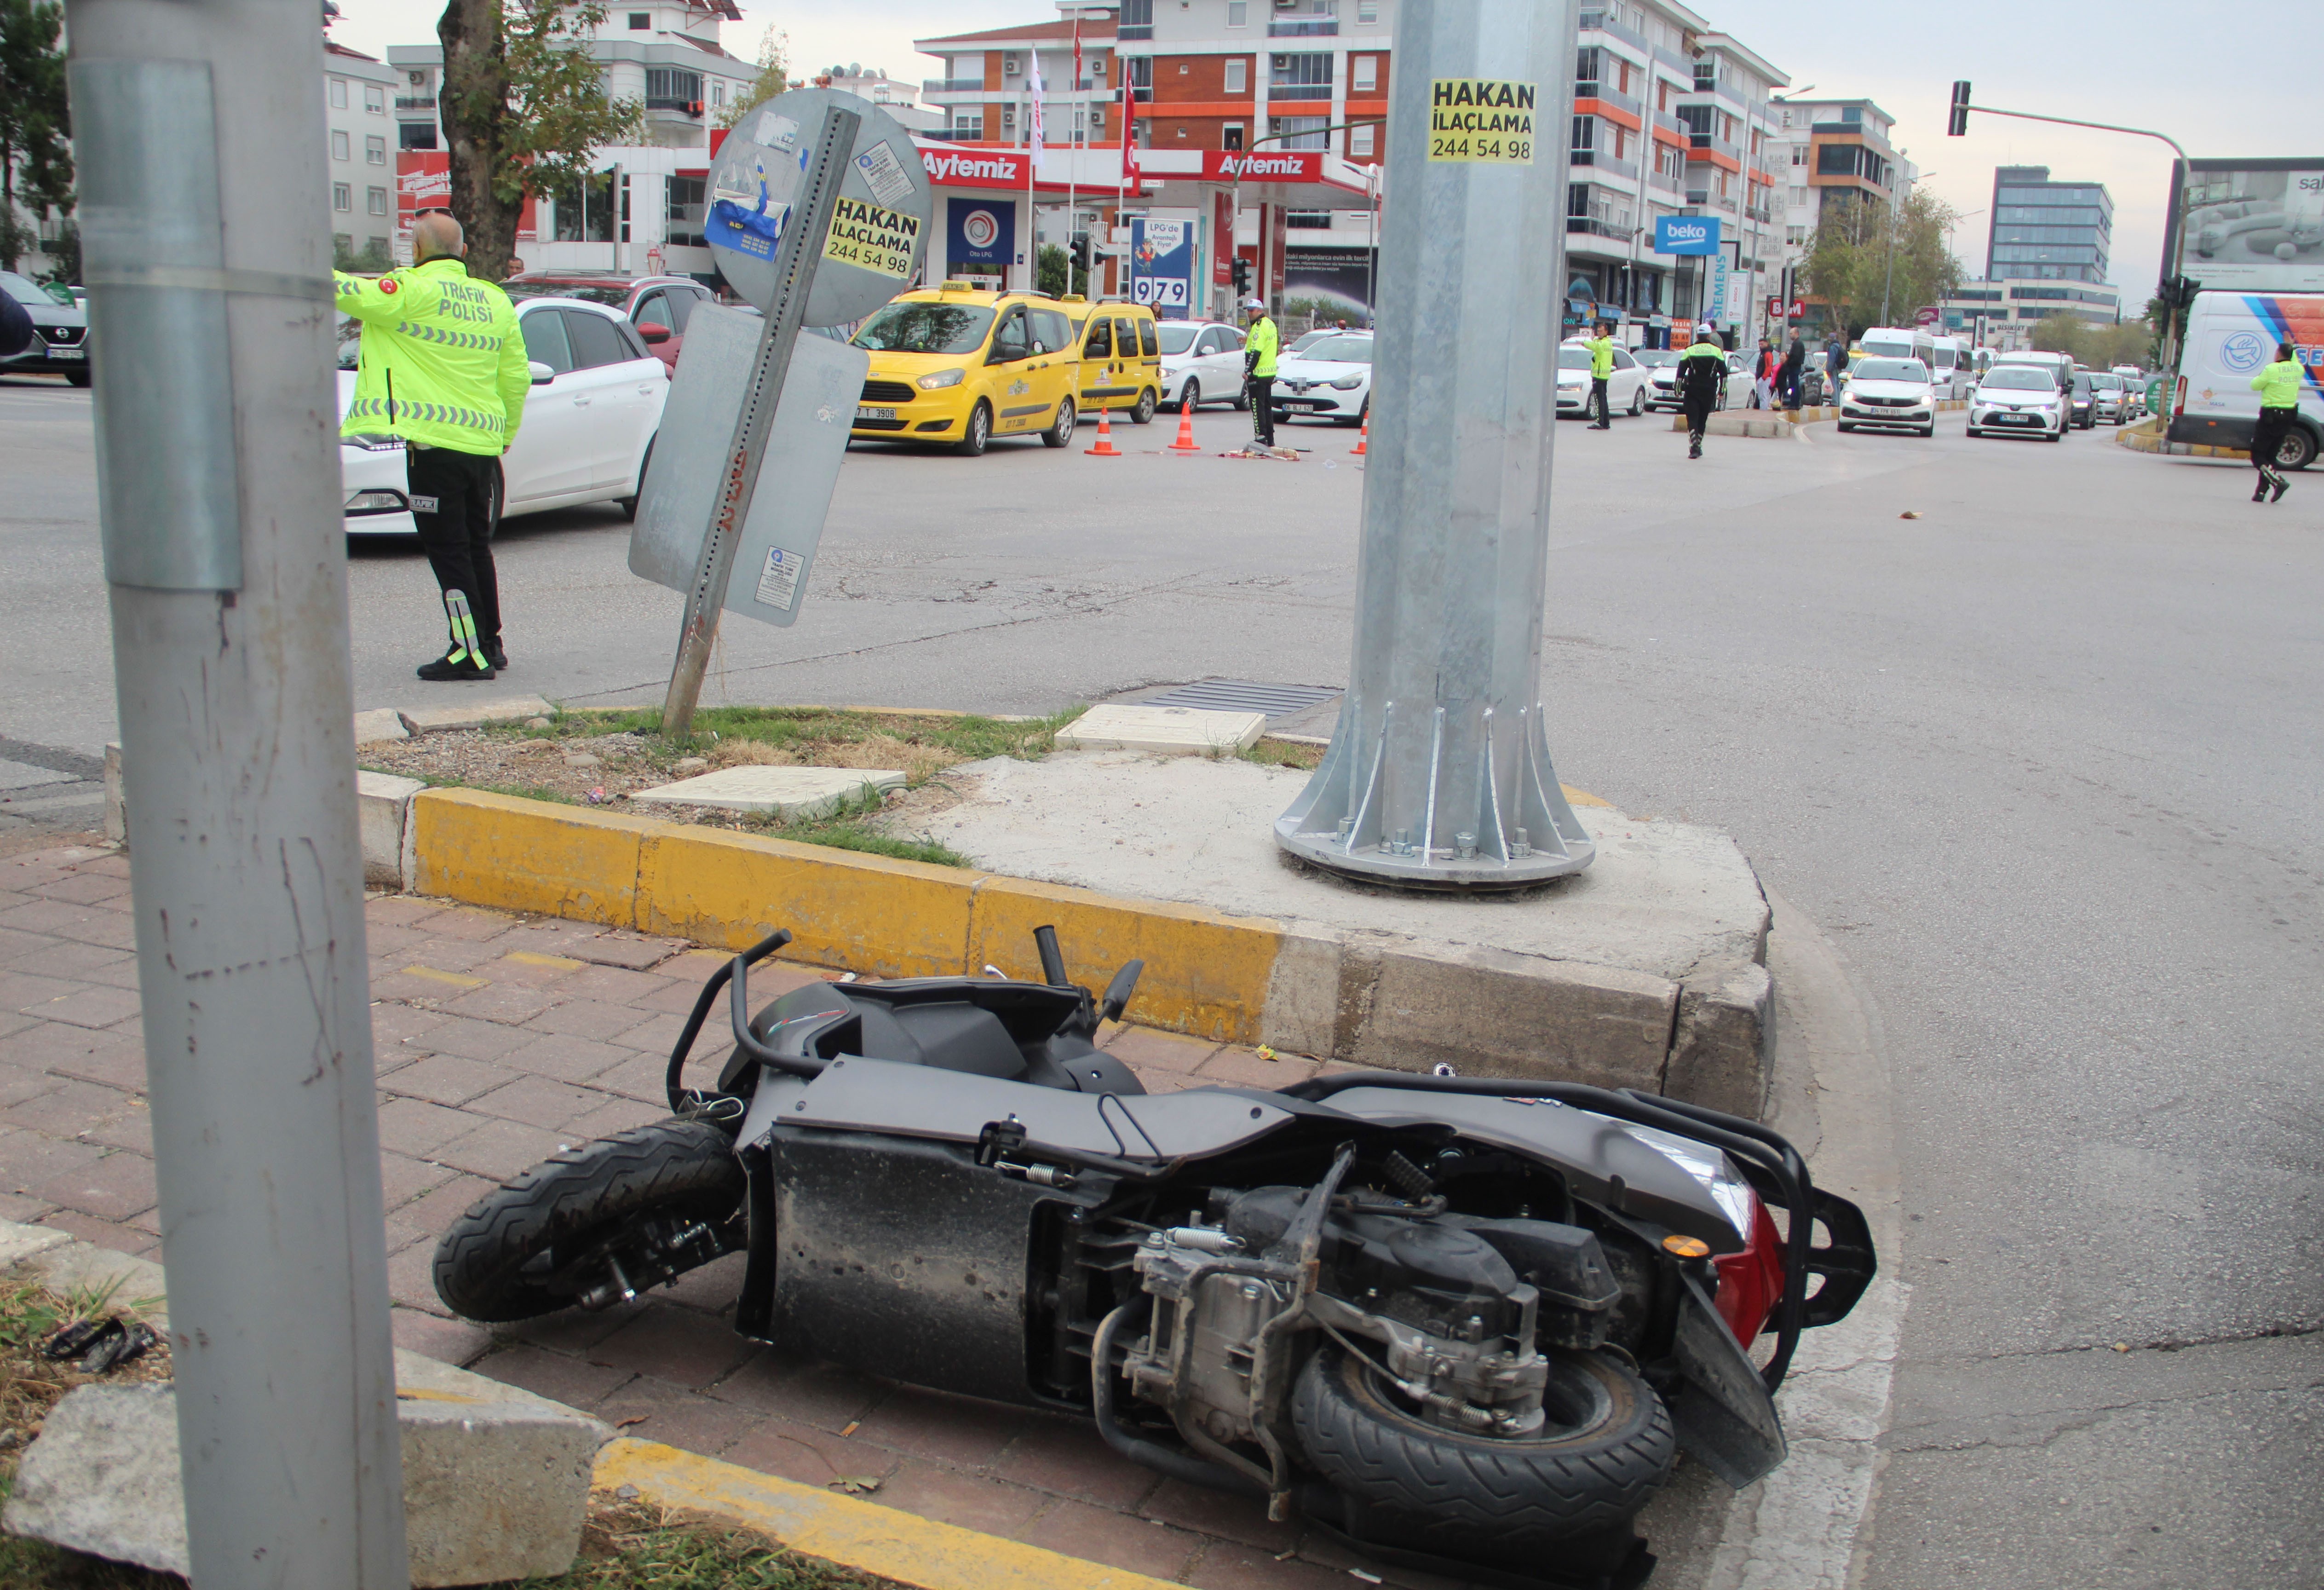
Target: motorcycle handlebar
x,y
735,970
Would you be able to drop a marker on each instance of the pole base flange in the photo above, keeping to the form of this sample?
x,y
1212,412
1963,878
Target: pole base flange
x,y
1443,873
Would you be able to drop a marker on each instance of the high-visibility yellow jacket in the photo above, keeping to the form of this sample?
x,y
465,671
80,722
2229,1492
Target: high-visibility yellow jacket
x,y
2278,385
443,363
1602,356
1261,346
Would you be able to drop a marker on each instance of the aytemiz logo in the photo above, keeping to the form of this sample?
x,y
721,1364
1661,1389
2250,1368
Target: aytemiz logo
x,y
1224,165
998,170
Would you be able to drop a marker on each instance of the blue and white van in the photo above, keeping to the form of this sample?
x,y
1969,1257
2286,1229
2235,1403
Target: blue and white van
x,y
2230,338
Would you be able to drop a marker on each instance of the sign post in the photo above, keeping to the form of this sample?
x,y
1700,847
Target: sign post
x,y
1439,773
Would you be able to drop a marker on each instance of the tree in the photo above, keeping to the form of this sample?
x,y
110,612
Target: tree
x,y
36,169
65,250
523,107
2096,344
1862,253
774,76
1055,265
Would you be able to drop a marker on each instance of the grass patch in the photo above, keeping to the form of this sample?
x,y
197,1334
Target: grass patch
x,y
1285,754
849,828
816,734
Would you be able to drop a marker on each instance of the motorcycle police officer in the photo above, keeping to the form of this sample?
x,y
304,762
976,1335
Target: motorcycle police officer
x,y
1259,372
1701,373
443,366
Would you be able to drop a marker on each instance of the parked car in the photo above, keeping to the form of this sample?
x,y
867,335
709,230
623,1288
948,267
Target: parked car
x,y
1890,395
2018,400
1329,379
1626,388
589,422
658,305
956,366
59,344
1202,360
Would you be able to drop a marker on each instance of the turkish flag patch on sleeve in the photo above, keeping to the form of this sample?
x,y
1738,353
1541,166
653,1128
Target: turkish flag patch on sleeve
x,y
387,284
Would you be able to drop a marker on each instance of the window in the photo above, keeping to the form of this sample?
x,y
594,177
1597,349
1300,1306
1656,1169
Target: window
x,y
1361,141
717,90
374,99
1312,219
376,201
416,135
684,218
1364,74
968,123
1706,76
342,197
668,89
338,145
375,151
641,22
1795,237
595,342
1052,332
338,93
1368,10
1586,63
1300,132
1100,345
545,342
1585,134
1797,198
1231,136
1238,14
1238,77
1799,155
1300,76
1137,20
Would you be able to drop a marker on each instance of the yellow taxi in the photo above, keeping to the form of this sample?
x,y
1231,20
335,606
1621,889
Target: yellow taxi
x,y
1121,356
956,367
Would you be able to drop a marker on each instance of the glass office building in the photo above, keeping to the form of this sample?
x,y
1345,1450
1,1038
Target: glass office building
x,y
2047,231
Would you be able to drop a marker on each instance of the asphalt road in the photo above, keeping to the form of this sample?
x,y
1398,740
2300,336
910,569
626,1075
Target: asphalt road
x,y
2043,762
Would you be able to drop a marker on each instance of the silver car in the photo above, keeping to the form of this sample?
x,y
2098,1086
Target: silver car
x,y
59,344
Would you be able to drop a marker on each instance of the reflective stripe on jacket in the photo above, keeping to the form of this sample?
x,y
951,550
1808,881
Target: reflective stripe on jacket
x,y
1602,356
442,361
1701,371
1261,346
2278,385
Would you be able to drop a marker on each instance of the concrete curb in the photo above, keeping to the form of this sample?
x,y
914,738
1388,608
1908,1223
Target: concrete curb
x,y
854,1534
2146,436
1369,998
1763,424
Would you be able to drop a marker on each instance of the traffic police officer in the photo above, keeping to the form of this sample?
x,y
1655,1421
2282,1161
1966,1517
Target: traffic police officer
x,y
1702,372
1259,372
1601,371
443,366
2278,386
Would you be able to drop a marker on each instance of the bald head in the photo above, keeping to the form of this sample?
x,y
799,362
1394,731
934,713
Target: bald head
x,y
437,236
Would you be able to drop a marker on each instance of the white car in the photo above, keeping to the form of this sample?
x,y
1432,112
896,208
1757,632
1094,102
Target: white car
x,y
2019,399
1626,389
589,422
1890,395
1202,359
1661,365
1330,379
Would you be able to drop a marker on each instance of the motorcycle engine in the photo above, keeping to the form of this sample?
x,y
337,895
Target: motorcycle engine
x,y
1452,1309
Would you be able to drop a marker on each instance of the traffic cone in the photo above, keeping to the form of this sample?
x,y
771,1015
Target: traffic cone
x,y
1105,448
1185,442
1363,437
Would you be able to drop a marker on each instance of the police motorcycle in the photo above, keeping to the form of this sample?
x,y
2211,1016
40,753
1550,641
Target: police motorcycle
x,y
1462,1324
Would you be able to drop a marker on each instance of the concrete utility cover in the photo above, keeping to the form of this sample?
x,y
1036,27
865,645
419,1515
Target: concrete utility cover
x,y
786,791
466,712
1171,730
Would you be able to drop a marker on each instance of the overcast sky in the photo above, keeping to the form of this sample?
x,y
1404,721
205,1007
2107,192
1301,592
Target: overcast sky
x,y
2133,62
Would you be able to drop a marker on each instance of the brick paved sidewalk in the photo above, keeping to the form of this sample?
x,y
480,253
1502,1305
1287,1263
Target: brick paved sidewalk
x,y
500,1037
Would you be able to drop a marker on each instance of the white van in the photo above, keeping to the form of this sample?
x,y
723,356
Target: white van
x,y
2059,367
1899,342
1950,370
2230,338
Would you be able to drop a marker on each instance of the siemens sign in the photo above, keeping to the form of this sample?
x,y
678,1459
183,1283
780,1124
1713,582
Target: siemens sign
x,y
1686,234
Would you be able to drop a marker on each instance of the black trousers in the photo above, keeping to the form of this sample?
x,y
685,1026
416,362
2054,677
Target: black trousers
x,y
2267,435
452,503
1597,409
1698,413
1260,392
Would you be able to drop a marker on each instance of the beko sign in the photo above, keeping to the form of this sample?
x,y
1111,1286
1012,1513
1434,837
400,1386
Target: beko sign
x,y
1686,234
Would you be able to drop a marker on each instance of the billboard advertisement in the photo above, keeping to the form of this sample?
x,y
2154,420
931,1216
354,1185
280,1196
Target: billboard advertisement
x,y
1686,233
2253,225
980,239
1162,266
1330,282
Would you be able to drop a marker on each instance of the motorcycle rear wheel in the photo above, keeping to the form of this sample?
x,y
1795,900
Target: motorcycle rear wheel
x,y
497,1261
1421,1485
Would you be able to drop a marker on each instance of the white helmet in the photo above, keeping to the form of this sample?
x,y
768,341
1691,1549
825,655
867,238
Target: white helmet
x,y
1252,303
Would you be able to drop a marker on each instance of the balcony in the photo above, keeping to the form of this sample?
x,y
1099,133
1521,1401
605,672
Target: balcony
x,y
1703,146
1596,21
672,106
1276,91
1134,29
1592,225
1601,160
1663,180
415,102
1613,97
952,85
1302,27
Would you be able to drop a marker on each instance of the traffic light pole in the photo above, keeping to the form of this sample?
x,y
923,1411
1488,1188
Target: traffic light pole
x,y
1959,125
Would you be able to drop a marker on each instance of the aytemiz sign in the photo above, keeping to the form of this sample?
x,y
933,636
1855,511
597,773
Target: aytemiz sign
x,y
1270,165
976,168
1686,234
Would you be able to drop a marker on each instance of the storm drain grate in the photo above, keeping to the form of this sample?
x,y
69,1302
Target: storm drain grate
x,y
1243,696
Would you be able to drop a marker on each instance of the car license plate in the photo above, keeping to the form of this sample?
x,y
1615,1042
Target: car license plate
x,y
2018,419
862,413
66,353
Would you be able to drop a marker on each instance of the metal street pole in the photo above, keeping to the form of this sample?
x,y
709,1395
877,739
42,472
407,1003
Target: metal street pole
x,y
795,264
1439,773
198,136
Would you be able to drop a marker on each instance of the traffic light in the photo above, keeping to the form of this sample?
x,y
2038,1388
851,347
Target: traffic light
x,y
2178,293
1079,252
1241,270
1957,121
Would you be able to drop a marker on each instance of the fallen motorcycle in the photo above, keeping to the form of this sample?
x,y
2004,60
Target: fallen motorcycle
x,y
1462,1324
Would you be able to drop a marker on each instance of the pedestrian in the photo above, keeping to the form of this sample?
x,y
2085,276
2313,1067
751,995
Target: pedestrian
x,y
1787,378
1702,372
1835,360
1762,375
2278,386
442,365
1601,371
1259,372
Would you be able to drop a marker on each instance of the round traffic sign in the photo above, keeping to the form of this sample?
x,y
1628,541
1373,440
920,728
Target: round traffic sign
x,y
879,233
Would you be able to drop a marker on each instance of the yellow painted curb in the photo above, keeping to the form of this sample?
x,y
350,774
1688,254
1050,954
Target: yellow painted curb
x,y
843,1529
1574,797
528,855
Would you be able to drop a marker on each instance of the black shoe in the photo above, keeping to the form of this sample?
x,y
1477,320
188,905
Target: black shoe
x,y
498,657
445,671
1695,451
2282,487
2259,492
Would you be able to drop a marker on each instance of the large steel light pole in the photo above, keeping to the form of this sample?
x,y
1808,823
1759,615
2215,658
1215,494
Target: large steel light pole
x,y
1439,773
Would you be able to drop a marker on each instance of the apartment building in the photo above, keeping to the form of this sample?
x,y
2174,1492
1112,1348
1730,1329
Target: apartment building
x,y
899,98
2002,312
984,95
357,92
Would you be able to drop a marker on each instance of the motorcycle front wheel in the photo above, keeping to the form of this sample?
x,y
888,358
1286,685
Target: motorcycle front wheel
x,y
1606,1448
541,1240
